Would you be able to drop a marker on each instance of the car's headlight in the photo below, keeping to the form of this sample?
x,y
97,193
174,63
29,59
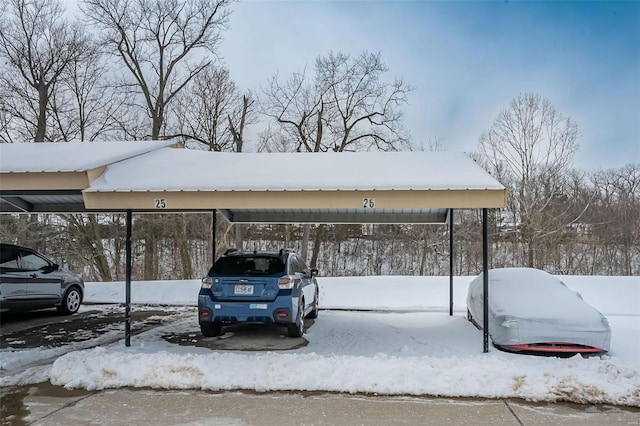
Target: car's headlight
x,y
206,282
509,322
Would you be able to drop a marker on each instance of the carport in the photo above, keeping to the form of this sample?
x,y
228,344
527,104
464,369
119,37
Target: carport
x,y
153,176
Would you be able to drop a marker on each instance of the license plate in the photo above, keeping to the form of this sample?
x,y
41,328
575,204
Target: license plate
x,y
258,306
243,289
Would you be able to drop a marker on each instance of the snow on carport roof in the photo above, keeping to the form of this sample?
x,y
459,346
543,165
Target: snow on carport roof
x,y
346,187
362,187
70,156
188,170
49,177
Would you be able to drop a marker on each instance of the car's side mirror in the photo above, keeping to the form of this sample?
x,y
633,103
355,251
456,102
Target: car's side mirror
x,y
50,268
314,272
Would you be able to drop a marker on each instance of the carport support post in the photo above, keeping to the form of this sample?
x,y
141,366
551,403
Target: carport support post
x,y
485,280
127,309
450,262
214,224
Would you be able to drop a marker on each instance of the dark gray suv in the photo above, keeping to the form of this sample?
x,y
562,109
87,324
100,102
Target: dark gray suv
x,y
29,280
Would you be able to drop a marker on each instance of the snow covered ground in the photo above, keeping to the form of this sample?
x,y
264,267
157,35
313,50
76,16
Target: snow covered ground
x,y
407,345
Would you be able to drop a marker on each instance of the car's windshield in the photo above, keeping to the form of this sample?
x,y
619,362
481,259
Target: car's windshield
x,y
255,265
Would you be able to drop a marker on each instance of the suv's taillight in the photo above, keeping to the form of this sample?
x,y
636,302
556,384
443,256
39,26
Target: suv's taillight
x,y
286,282
206,282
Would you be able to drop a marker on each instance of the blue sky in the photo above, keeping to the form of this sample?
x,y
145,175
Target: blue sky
x,y
466,60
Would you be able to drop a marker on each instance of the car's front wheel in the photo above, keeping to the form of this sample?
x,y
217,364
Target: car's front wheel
x,y
209,329
297,329
71,301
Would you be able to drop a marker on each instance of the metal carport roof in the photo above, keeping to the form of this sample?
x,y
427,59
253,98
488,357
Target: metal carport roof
x,y
363,187
50,177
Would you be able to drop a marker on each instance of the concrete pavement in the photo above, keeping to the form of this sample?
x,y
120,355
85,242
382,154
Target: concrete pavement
x,y
158,408
45,404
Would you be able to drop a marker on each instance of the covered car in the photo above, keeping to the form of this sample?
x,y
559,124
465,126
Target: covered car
x,y
533,311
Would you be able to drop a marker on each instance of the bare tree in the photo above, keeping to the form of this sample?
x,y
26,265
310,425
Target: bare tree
x,y
346,106
202,109
529,148
93,108
39,44
240,117
84,231
615,222
158,43
362,109
274,139
212,111
295,105
6,118
435,145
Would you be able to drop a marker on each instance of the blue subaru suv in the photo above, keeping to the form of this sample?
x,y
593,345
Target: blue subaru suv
x,y
258,287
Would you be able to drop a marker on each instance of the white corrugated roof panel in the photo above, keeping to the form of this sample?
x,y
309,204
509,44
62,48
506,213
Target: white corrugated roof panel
x,y
70,156
188,170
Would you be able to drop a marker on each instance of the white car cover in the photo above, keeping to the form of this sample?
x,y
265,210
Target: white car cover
x,y
528,306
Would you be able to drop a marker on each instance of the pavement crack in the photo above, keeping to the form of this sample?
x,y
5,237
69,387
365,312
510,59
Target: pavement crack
x,y
512,412
67,405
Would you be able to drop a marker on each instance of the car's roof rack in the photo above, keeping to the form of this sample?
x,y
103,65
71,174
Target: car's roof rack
x,y
238,252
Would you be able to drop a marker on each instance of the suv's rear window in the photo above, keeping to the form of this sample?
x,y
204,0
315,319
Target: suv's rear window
x,y
255,265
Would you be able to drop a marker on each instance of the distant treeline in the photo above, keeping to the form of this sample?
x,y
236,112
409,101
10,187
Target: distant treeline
x,y
603,240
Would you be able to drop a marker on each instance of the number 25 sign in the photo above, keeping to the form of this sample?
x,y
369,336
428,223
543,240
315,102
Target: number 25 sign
x,y
368,203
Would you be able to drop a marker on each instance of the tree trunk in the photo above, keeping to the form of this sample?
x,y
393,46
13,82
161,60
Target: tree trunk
x,y
150,264
287,236
239,234
423,260
530,253
118,245
627,270
156,126
94,242
306,233
317,242
182,241
41,128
